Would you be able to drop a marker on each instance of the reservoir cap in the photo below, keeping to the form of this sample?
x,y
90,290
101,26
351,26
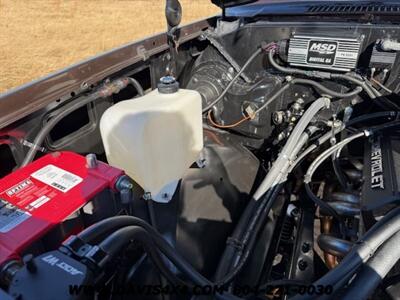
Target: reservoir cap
x,y
168,85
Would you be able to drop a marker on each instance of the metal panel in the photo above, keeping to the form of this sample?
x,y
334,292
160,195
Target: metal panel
x,y
26,99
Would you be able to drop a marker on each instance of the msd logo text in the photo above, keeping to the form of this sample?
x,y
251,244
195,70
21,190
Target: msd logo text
x,y
323,48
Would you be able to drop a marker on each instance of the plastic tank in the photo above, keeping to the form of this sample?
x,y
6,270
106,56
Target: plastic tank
x,y
155,138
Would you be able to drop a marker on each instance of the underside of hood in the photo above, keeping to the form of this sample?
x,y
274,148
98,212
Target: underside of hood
x,y
231,3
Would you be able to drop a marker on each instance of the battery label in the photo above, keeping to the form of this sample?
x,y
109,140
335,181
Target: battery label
x,y
21,200
11,216
57,178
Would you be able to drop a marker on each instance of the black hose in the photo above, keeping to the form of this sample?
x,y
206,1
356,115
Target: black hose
x,y
107,225
136,85
366,246
113,245
240,257
369,90
293,71
235,240
325,90
92,233
321,88
362,85
375,270
312,83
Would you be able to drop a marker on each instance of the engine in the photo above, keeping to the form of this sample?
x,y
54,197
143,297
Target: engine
x,y
267,167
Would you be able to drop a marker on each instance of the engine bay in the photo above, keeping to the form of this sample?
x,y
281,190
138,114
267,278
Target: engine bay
x,y
266,167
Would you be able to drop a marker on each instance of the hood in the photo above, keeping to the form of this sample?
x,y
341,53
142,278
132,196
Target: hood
x,y
231,3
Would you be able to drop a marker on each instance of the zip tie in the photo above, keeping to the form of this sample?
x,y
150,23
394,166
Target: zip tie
x,y
33,146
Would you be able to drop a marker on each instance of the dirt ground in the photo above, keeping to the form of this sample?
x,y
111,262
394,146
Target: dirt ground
x,y
41,36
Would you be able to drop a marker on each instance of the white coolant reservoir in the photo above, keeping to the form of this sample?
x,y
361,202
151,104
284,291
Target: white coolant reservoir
x,y
155,138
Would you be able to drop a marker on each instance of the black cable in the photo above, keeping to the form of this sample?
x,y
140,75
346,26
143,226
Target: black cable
x,y
114,243
235,241
312,83
362,85
321,88
136,85
93,232
293,71
374,270
327,91
241,255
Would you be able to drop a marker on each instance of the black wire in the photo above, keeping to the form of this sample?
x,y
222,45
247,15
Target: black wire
x,y
114,243
250,236
105,226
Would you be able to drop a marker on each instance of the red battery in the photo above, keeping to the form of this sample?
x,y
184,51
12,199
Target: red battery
x,y
36,199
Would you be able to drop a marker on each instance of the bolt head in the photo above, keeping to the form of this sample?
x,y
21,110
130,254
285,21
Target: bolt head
x,y
302,264
29,263
91,161
305,247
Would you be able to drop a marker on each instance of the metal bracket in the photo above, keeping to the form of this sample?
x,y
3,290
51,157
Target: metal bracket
x,y
213,41
142,52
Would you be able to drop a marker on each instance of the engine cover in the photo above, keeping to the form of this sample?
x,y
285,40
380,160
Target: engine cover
x,y
41,203
381,174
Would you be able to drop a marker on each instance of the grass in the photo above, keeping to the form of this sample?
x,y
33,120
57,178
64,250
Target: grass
x,y
41,36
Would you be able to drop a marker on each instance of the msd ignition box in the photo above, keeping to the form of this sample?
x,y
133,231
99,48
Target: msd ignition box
x,y
322,52
50,199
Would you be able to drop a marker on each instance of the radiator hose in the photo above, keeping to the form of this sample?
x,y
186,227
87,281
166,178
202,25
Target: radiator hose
x,y
116,241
